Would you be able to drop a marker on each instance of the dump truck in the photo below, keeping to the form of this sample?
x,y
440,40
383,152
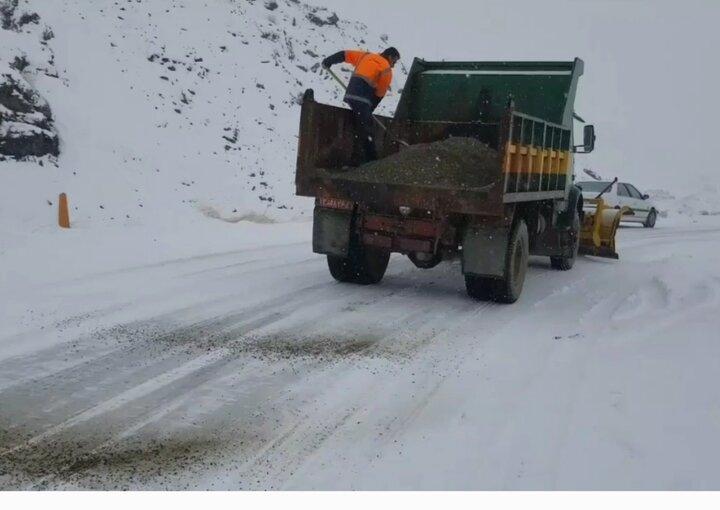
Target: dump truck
x,y
521,203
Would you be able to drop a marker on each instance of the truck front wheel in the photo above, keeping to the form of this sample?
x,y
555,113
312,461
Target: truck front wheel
x,y
364,265
567,263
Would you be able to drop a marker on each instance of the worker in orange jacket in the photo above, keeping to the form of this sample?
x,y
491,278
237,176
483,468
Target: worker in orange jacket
x,y
368,85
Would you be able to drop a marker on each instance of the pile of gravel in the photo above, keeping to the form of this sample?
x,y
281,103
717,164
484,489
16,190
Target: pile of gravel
x,y
452,163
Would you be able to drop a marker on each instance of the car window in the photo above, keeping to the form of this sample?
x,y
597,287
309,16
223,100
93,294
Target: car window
x,y
593,186
633,191
622,190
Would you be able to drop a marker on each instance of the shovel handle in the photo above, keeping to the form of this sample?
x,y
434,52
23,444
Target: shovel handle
x,y
337,78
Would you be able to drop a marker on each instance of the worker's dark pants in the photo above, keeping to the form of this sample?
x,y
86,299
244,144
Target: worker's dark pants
x,y
363,120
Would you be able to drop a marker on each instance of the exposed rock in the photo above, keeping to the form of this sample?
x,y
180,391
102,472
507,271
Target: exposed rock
x,y
27,18
316,19
26,122
7,14
20,140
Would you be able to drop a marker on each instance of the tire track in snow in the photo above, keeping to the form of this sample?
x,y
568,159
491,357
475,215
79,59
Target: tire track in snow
x,y
124,398
129,305
121,361
403,286
178,261
422,314
299,295
292,448
83,350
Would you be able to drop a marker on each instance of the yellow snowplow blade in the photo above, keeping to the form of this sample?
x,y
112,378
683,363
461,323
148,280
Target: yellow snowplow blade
x,y
597,236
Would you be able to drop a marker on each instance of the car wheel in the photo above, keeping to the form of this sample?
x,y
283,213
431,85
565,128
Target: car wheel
x,y
650,220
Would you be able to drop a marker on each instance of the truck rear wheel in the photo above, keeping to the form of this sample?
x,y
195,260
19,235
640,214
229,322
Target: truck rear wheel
x,y
508,288
480,287
566,263
364,265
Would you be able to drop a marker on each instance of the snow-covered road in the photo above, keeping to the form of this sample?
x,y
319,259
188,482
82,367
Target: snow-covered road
x,y
250,368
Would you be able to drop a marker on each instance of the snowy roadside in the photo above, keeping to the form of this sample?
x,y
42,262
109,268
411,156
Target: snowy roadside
x,y
35,266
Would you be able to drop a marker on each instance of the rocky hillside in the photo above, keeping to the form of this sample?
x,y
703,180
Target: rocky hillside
x,y
26,122
170,107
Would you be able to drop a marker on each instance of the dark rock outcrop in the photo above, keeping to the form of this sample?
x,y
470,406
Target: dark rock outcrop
x,y
320,18
26,122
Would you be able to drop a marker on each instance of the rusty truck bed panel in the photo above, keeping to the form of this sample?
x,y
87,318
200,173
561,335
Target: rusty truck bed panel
x,y
379,196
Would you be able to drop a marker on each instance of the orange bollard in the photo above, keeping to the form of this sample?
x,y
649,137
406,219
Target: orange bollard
x,y
63,213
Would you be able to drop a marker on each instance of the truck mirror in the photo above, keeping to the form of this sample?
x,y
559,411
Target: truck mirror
x,y
589,138
645,196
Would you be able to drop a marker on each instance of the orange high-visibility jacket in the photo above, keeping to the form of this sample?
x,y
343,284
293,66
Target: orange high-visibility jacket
x,y
372,68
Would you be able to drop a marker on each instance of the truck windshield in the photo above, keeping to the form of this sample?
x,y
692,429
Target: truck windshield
x,y
596,186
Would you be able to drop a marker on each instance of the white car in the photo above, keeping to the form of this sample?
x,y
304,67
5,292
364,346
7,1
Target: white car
x,y
642,208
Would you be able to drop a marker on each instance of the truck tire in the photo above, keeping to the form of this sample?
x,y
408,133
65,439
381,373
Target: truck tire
x,y
650,220
508,288
480,287
567,263
364,265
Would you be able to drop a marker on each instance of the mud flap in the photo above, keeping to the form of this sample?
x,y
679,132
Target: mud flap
x,y
483,250
331,231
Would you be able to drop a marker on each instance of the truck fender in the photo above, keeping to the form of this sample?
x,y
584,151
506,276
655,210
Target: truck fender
x,y
331,231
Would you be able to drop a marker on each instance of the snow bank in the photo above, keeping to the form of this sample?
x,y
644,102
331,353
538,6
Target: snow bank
x,y
702,203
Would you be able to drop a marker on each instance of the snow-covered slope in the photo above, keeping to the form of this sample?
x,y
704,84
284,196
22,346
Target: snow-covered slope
x,y
170,107
704,202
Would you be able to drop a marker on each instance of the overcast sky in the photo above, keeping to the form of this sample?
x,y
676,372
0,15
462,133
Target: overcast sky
x,y
652,73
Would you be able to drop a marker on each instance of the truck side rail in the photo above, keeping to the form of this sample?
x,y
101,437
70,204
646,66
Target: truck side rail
x,y
537,158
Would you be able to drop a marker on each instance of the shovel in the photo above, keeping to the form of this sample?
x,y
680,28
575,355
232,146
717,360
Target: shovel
x,y
379,123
